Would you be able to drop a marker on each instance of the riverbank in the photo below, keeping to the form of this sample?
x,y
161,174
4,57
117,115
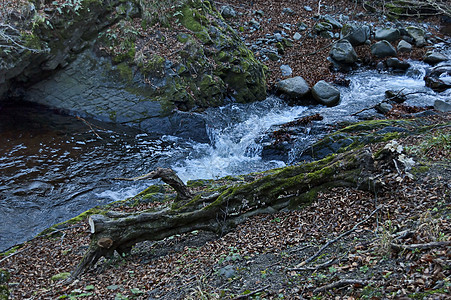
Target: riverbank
x,y
264,255
400,250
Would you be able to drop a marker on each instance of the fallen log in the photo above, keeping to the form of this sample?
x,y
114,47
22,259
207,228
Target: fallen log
x,y
220,211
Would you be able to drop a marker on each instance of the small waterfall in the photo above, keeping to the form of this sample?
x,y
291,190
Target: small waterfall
x,y
235,131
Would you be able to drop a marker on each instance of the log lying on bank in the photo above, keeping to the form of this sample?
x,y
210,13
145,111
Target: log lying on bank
x,y
219,212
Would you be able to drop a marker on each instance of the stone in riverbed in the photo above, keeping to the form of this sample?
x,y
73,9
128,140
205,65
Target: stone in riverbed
x,y
293,88
439,78
297,36
433,58
388,34
342,52
355,34
325,93
397,64
417,34
404,46
383,49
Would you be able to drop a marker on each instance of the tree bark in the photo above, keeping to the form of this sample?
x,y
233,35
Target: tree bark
x,y
286,188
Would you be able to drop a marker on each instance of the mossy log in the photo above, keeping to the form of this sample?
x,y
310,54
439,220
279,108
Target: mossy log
x,y
220,211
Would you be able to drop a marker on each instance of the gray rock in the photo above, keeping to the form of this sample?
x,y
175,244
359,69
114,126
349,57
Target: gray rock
x,y
433,58
259,13
302,26
228,271
388,34
355,34
325,93
342,52
439,78
297,36
442,106
404,46
417,34
327,34
397,64
307,8
286,70
228,12
92,87
294,88
288,11
383,107
383,49
323,26
332,21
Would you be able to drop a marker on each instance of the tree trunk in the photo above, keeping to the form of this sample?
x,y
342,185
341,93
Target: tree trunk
x,y
289,187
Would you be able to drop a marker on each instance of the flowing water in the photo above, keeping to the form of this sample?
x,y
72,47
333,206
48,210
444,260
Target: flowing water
x,y
55,166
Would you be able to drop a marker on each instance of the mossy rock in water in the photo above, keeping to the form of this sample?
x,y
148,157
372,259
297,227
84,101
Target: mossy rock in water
x,y
358,135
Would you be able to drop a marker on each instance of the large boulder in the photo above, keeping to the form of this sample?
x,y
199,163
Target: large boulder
x,y
388,34
383,49
293,88
355,34
439,78
325,93
417,34
342,52
138,74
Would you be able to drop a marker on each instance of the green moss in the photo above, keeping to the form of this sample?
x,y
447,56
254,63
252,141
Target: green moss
x,y
60,276
4,278
125,71
153,67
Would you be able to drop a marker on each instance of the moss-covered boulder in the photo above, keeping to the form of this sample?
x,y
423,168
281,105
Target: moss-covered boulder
x,y
134,62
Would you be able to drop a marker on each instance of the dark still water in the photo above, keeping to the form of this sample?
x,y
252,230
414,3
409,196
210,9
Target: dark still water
x,y
54,166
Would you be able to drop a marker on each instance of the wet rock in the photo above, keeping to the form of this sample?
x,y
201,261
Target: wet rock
x,y
388,34
442,106
286,70
293,88
396,64
395,96
342,52
404,46
434,58
355,34
325,93
228,12
439,78
383,107
383,49
307,8
417,34
260,13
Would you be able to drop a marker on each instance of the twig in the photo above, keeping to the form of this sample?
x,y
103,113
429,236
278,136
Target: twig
x,y
12,254
90,126
340,283
311,258
431,245
252,293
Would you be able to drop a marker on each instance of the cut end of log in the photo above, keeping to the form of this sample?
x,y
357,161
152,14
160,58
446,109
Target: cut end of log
x,y
105,243
92,226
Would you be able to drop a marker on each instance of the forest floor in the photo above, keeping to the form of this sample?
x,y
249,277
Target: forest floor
x,y
349,244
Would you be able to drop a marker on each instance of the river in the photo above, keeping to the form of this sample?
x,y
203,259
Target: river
x,y
53,166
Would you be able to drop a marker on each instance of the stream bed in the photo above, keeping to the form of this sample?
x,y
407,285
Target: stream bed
x,y
54,166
